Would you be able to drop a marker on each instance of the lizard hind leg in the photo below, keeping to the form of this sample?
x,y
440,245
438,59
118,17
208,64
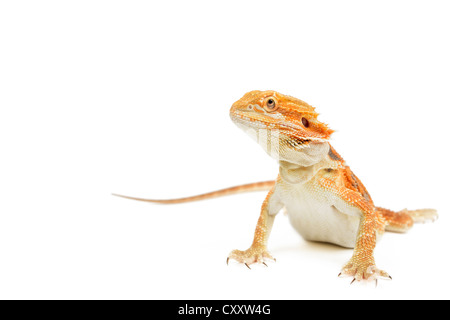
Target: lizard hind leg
x,y
422,215
403,220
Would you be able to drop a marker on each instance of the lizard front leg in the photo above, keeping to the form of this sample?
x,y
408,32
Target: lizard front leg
x,y
362,263
257,252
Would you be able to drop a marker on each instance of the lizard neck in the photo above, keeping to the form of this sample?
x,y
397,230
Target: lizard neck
x,y
306,157
305,166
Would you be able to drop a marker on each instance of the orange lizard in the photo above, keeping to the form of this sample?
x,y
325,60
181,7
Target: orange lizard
x,y
324,199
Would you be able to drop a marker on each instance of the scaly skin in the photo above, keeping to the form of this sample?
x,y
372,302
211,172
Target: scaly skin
x,y
322,176
324,199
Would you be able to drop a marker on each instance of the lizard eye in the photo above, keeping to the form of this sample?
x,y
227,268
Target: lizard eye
x,y
270,104
305,122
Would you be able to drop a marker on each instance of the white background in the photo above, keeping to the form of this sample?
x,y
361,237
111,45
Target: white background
x,y
129,97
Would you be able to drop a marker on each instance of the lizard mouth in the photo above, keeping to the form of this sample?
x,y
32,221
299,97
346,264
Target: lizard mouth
x,y
292,133
298,134
244,119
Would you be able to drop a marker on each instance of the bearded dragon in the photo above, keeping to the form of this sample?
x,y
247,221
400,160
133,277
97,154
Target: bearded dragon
x,y
323,198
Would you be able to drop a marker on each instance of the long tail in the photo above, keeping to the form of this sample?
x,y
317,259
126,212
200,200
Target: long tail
x,y
250,187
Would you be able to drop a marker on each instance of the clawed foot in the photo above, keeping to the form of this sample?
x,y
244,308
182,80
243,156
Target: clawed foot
x,y
363,271
250,256
422,215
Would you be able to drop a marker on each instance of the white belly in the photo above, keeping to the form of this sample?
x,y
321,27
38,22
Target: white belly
x,y
316,219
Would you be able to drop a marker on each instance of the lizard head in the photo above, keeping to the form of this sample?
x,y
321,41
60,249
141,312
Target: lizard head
x,y
287,128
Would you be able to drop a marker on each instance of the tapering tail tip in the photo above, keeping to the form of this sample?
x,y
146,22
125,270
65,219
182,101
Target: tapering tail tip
x,y
250,187
168,201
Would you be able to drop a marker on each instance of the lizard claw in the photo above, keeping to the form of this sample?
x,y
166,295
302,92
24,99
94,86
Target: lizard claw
x,y
363,271
250,256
